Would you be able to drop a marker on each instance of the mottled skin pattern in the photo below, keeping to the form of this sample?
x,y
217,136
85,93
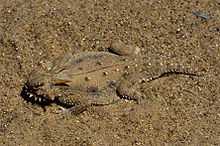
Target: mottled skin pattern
x,y
90,78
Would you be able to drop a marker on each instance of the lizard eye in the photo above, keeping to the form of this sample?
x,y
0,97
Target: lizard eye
x,y
37,85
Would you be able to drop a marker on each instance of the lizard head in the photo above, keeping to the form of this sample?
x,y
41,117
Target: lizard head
x,y
38,88
43,88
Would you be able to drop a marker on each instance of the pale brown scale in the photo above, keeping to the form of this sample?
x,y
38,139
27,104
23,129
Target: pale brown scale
x,y
99,63
105,73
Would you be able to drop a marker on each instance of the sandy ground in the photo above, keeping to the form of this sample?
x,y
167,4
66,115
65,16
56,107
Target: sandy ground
x,y
179,110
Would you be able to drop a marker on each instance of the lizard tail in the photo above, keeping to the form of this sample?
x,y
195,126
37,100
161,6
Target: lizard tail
x,y
171,71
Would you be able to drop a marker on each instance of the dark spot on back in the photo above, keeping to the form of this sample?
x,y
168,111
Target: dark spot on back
x,y
92,89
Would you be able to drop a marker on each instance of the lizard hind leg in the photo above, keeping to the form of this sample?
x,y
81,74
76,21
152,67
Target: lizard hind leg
x,y
127,90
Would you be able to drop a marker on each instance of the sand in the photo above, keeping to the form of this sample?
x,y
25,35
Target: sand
x,y
179,110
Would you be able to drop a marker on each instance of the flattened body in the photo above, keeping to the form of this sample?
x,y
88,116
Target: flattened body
x,y
92,78
90,70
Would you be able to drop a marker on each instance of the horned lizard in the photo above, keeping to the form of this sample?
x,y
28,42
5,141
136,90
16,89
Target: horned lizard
x,y
90,78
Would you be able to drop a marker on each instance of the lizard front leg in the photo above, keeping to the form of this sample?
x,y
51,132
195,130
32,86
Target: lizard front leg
x,y
72,103
77,101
